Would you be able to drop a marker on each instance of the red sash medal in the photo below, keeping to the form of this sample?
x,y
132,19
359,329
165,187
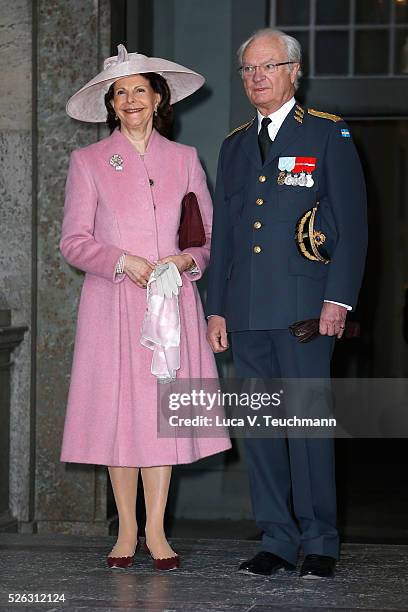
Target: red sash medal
x,y
296,171
304,167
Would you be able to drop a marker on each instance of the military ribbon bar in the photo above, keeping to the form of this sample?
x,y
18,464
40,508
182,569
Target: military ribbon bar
x,y
304,164
286,163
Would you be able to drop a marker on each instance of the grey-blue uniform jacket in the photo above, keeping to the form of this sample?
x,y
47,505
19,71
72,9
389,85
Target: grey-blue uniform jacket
x,y
257,277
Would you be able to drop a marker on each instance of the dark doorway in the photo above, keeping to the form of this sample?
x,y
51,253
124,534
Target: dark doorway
x,y
382,145
372,474
132,25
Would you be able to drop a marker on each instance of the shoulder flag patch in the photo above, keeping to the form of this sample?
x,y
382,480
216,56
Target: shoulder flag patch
x,y
345,133
322,115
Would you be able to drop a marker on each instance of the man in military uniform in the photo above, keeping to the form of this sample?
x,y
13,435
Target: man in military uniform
x,y
285,161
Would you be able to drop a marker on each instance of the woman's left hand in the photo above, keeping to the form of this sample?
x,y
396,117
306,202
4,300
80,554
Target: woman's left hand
x,y
181,261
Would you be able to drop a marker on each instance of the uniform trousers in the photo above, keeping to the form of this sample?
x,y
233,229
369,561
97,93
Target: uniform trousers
x,y
292,480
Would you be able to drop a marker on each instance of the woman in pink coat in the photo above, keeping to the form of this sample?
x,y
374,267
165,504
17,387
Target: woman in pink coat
x,y
121,219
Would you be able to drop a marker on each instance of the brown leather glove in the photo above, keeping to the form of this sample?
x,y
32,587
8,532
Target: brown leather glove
x,y
304,331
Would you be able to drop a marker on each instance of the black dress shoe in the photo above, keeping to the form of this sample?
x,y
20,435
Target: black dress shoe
x,y
318,566
265,563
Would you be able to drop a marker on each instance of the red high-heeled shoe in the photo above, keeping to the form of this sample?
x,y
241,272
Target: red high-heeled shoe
x,y
163,564
123,562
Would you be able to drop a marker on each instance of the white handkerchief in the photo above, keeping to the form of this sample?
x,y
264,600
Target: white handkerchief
x,y
161,324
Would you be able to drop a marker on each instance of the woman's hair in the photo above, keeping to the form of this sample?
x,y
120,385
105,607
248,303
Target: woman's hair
x,y
162,121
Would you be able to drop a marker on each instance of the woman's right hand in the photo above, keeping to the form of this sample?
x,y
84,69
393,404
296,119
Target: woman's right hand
x,y
138,269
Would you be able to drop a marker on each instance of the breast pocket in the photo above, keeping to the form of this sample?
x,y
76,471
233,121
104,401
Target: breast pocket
x,y
294,200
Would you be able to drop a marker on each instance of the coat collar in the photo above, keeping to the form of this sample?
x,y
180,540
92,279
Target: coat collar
x,y
122,145
279,116
289,131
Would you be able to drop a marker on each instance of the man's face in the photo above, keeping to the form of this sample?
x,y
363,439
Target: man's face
x,y
268,91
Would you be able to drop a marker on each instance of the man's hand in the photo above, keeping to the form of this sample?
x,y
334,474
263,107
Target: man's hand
x,y
332,320
217,334
138,269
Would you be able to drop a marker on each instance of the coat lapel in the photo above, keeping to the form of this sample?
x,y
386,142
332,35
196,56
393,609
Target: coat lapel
x,y
250,144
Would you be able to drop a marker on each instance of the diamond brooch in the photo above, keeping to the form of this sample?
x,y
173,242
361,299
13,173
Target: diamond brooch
x,y
116,161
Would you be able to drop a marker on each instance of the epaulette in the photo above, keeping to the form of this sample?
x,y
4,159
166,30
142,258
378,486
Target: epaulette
x,y
244,126
317,113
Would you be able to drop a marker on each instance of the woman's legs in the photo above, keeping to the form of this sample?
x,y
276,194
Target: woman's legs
x,y
156,481
124,485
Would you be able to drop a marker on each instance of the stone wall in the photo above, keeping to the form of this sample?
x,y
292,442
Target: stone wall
x,y
48,49
72,40
16,273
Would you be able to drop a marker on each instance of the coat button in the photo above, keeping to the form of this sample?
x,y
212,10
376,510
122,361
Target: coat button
x,y
262,178
151,182
257,249
257,225
259,201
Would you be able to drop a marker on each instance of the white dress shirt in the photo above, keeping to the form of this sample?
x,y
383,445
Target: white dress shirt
x,y
277,118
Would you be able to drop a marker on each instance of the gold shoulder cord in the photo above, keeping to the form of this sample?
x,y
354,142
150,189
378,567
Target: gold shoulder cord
x,y
244,126
322,115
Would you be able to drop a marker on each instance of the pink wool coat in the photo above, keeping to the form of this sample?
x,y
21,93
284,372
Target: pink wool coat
x,y
111,415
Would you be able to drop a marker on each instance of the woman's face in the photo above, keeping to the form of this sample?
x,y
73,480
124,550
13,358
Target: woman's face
x,y
134,101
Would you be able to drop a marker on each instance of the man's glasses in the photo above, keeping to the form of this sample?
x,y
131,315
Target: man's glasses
x,y
247,70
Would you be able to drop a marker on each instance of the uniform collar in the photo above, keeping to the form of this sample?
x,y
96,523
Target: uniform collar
x,y
279,116
292,118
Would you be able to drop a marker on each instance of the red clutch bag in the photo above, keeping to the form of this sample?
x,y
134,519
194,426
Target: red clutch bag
x,y
191,230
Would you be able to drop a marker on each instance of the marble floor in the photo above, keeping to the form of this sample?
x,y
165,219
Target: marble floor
x,y
369,577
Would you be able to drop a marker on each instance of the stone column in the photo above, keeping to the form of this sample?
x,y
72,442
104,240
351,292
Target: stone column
x,y
72,38
16,270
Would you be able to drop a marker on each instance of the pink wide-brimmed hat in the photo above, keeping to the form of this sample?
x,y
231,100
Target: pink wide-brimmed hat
x,y
88,103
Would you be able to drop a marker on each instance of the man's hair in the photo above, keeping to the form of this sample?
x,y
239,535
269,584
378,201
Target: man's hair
x,y
293,47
